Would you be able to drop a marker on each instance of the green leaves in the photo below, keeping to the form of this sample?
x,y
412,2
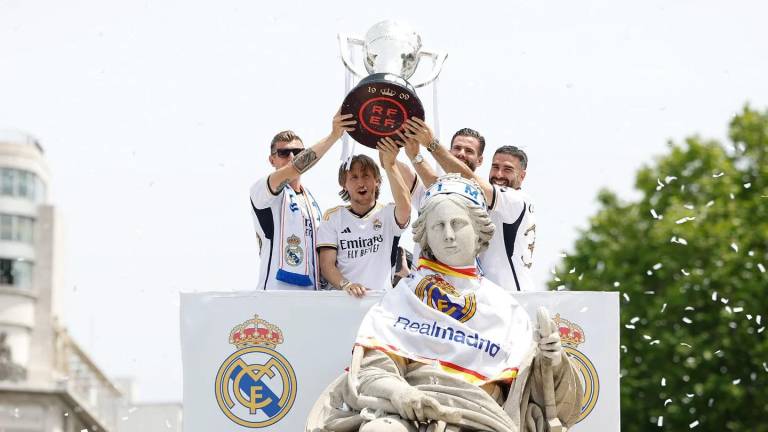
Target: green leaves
x,y
691,255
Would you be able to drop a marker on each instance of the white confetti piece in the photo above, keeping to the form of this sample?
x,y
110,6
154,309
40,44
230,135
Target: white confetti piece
x,y
714,295
718,175
710,204
664,306
758,319
617,284
751,253
718,351
749,317
728,309
660,185
723,300
657,266
626,297
684,272
654,214
761,267
669,179
685,219
663,382
747,185
693,425
690,395
660,421
736,381
573,270
738,309
732,197
735,247
624,348
690,308
667,402
685,345
629,326
649,292
760,330
687,320
689,206
634,320
765,366
655,342
646,337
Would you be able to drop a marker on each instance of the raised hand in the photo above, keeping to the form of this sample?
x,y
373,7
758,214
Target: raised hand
x,y
388,150
415,128
342,123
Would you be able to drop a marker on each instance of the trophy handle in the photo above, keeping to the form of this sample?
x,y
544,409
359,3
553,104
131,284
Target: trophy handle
x,y
345,42
438,59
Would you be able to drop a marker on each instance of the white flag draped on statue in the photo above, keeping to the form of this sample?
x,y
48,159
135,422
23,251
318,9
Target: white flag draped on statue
x,y
475,335
260,360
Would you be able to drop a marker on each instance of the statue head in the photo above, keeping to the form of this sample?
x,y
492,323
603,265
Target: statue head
x,y
453,226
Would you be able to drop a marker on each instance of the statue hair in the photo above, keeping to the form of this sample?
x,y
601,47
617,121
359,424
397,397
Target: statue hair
x,y
484,227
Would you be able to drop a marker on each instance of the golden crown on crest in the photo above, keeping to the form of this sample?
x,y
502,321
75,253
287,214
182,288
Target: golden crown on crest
x,y
256,332
571,334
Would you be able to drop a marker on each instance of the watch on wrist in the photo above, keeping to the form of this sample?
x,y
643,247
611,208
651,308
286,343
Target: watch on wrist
x,y
432,146
417,159
344,284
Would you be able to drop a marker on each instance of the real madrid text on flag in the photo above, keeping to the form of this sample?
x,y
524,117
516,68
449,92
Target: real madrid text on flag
x,y
259,361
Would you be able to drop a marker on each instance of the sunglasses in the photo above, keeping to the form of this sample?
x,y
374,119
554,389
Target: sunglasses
x,y
283,153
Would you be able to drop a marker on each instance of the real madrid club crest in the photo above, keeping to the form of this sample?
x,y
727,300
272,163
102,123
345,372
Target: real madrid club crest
x,y
377,224
294,254
439,294
255,386
571,336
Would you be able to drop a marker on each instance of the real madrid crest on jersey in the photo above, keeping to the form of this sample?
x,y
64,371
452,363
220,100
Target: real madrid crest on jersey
x,y
572,335
256,385
377,224
294,254
439,294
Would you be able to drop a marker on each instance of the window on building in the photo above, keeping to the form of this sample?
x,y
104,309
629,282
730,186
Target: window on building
x,y
17,228
16,272
20,183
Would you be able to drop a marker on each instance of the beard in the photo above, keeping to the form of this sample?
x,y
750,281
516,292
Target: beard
x,y
470,165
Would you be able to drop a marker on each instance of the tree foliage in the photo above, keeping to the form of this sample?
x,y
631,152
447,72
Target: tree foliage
x,y
690,259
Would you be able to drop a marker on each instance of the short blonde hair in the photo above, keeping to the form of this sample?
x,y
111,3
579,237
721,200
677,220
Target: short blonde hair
x,y
484,227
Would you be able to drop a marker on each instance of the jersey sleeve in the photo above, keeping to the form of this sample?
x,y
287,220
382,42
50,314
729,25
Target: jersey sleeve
x,y
261,195
417,193
508,203
327,235
389,216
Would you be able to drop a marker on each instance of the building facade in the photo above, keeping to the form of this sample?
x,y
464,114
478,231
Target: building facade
x,y
47,382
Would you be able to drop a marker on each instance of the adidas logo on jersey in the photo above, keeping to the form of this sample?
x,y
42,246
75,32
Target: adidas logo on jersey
x,y
346,231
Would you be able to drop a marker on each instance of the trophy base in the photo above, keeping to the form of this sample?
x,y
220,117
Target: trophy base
x,y
381,103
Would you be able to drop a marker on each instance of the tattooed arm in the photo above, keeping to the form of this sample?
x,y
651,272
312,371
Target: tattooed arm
x,y
307,158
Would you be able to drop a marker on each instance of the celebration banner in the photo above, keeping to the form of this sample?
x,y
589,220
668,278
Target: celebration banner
x,y
259,361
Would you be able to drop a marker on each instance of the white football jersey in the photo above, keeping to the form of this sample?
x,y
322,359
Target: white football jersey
x,y
366,245
267,211
509,257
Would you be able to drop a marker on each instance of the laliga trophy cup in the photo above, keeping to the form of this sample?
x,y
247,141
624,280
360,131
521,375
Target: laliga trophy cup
x,y
383,100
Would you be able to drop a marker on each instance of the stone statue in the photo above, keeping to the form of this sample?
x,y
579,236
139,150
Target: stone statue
x,y
446,349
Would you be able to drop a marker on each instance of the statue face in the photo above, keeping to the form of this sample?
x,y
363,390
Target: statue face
x,y
451,234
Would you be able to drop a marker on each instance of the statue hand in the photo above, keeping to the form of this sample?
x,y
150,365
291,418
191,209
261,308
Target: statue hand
x,y
550,345
412,403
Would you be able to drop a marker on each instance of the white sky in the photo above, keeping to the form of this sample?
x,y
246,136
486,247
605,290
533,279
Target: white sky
x,y
156,117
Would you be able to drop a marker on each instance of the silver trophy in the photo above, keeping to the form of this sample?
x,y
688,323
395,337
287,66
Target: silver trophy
x,y
383,99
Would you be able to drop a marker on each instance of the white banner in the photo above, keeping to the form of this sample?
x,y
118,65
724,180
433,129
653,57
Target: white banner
x,y
260,360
